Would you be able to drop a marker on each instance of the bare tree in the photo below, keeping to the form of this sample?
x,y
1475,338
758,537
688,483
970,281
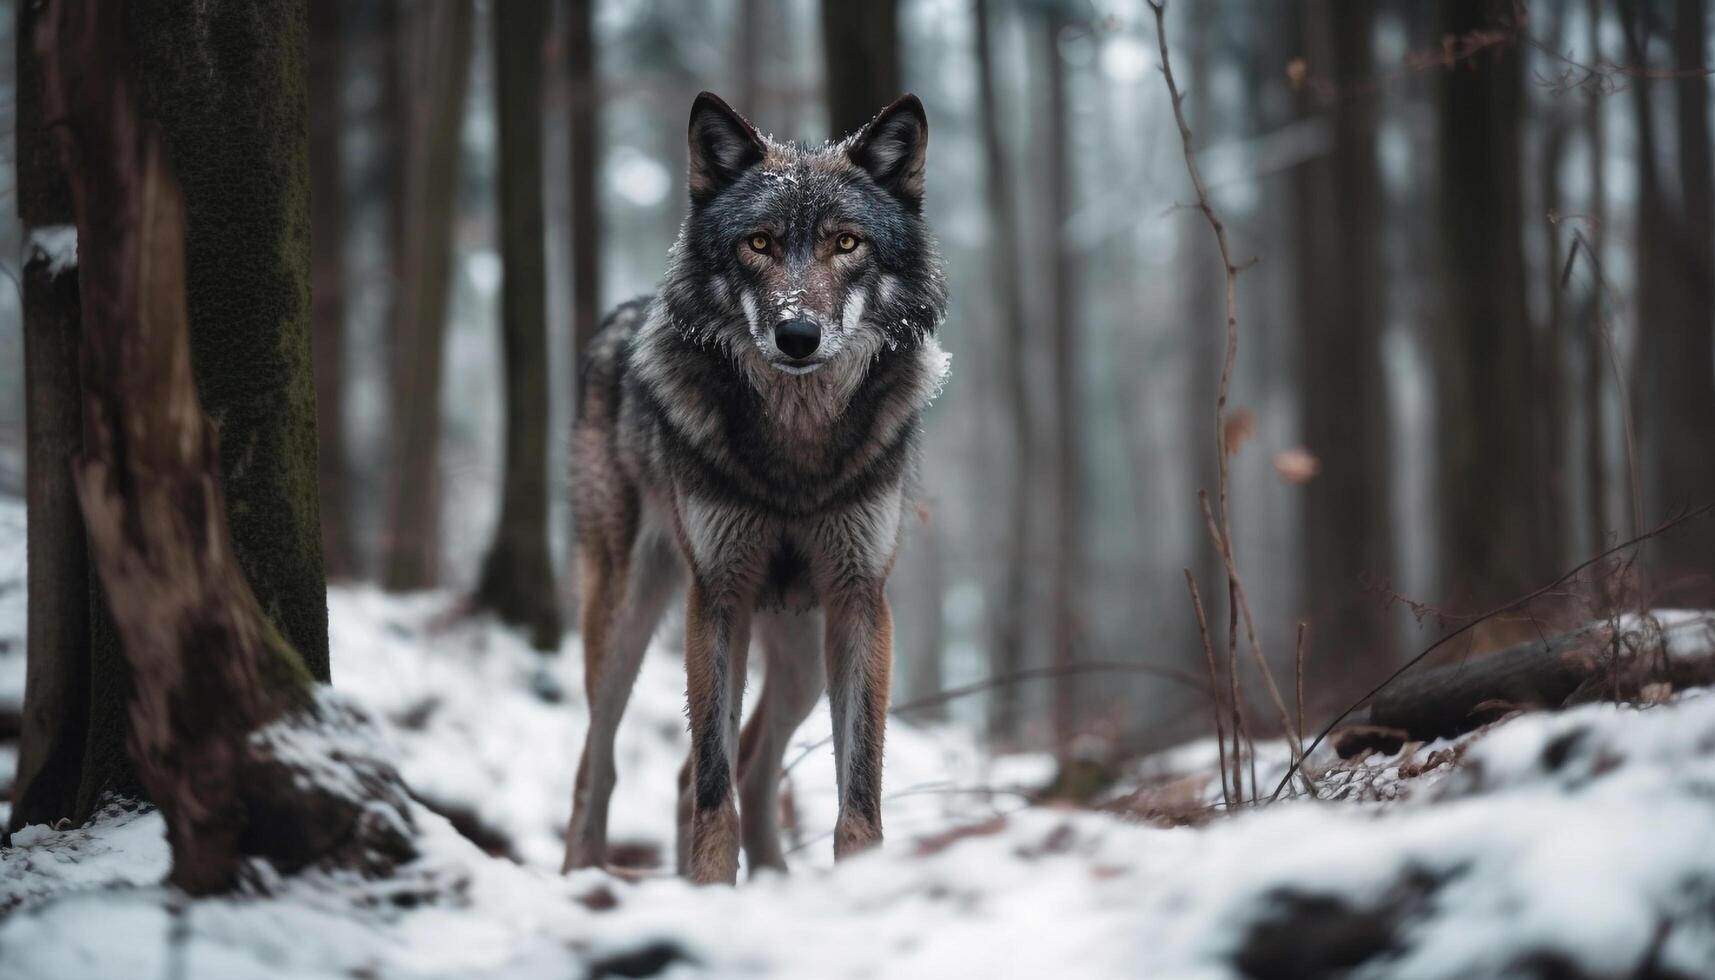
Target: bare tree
x,y
1684,463
325,77
1068,561
1007,643
55,721
440,75
219,696
1342,383
585,162
1497,532
517,579
861,41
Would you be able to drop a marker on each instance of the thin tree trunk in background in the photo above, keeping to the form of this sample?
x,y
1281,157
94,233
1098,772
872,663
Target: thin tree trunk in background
x,y
1685,445
517,580
862,45
440,71
55,716
748,52
1656,300
585,163
1066,352
208,671
1595,353
1488,489
1348,535
326,77
1008,619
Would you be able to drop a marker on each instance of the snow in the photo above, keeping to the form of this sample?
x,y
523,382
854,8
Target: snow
x,y
1579,837
58,243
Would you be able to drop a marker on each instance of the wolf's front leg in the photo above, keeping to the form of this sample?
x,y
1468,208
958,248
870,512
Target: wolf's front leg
x,y
859,661
717,638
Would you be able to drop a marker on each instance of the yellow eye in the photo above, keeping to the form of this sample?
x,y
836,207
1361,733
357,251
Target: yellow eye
x,y
847,242
760,243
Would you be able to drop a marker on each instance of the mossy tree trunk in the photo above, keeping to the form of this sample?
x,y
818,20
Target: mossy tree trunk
x,y
440,75
56,687
326,79
224,82
517,580
216,687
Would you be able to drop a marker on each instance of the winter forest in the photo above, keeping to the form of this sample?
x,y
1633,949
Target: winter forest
x,y
1205,489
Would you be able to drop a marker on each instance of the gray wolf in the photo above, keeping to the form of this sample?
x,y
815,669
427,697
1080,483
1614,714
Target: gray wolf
x,y
747,437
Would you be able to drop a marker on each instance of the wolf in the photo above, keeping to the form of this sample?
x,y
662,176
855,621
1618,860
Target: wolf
x,y
747,437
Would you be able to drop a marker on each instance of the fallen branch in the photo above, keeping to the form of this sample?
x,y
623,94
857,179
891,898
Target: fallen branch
x,y
1505,607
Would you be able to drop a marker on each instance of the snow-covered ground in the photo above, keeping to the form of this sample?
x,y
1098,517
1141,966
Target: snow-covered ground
x,y
1572,844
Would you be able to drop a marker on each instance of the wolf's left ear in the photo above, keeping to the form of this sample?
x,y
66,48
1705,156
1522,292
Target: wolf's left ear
x,y
722,146
893,148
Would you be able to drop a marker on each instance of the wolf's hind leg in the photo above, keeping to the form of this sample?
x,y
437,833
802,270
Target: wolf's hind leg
x,y
619,616
792,647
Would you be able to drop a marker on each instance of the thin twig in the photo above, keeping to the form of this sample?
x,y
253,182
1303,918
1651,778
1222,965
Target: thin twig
x,y
1298,675
1214,685
1659,529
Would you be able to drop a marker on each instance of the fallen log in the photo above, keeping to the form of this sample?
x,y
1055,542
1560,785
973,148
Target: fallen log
x,y
1597,662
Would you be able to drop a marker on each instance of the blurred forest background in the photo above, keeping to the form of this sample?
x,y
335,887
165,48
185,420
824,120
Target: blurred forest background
x,y
1475,342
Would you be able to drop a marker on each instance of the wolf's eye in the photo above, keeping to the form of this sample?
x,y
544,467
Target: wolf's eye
x,y
847,242
760,242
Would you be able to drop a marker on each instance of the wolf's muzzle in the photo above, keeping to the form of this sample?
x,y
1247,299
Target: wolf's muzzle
x,y
797,339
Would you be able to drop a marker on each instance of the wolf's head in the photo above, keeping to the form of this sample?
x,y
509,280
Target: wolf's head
x,y
798,255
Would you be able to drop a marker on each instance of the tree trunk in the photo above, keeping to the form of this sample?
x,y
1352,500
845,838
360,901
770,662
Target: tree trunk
x,y
1348,535
1065,359
585,162
440,73
327,275
1594,348
210,672
56,685
1008,619
1684,445
232,111
1488,492
861,41
517,581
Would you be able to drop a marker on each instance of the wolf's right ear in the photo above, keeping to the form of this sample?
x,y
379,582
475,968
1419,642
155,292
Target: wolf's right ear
x,y
723,145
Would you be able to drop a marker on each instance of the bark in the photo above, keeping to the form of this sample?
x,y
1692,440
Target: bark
x,y
224,79
1005,269
327,275
440,75
584,158
1684,457
1065,359
517,580
920,584
56,684
1491,494
1348,537
1594,349
861,41
209,669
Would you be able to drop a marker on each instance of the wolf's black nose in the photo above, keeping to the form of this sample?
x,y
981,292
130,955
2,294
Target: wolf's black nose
x,y
798,339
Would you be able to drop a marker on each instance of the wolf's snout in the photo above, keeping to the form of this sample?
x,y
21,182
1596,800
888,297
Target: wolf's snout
x,y
797,339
